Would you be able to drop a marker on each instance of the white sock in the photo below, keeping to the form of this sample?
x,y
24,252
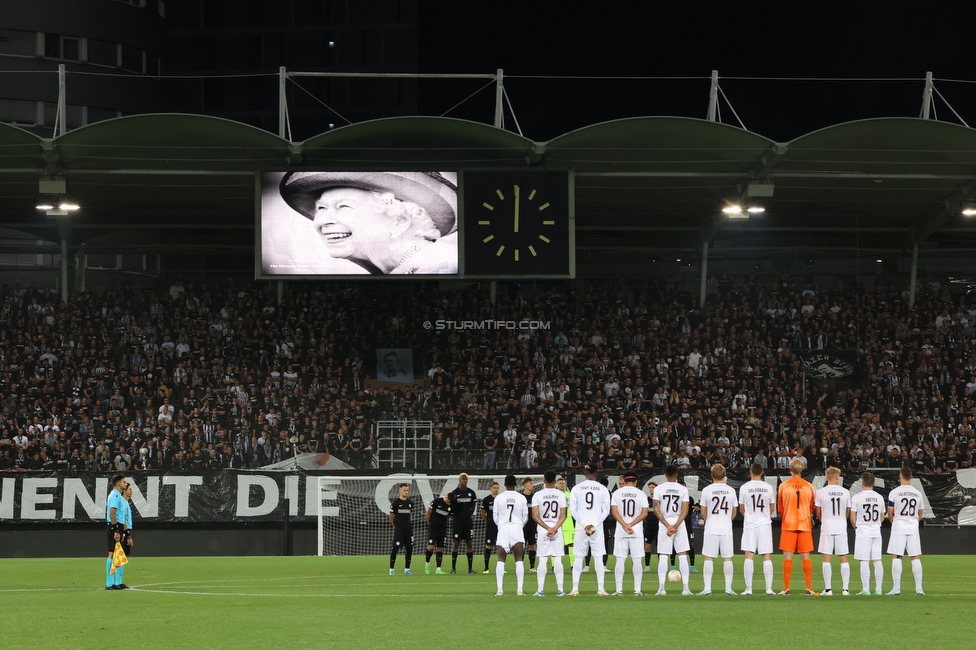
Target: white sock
x,y
768,574
598,567
662,570
828,575
638,573
540,566
729,572
878,574
685,570
618,574
748,567
917,572
845,575
865,576
707,573
577,572
499,573
896,573
519,575
557,568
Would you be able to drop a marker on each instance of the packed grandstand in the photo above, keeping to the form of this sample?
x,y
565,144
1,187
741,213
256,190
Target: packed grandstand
x,y
623,372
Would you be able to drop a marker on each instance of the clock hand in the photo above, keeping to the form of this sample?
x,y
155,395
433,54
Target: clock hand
x,y
516,207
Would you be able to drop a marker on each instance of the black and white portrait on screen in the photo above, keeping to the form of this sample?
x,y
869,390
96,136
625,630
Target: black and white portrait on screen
x,y
394,364
359,223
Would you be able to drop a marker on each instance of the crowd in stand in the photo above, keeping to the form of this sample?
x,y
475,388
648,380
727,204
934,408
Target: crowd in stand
x,y
620,372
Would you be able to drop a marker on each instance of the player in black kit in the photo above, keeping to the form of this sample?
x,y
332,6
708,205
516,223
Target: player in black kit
x,y
437,514
650,531
464,501
491,528
400,511
531,528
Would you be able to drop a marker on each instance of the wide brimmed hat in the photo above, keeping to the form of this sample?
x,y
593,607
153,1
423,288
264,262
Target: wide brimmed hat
x,y
430,190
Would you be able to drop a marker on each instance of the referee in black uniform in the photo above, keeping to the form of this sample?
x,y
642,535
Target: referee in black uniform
x,y
400,511
464,502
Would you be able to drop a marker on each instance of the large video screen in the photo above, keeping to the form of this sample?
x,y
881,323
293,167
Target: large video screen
x,y
363,223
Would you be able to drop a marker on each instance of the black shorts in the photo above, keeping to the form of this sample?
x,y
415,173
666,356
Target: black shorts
x,y
650,530
436,538
491,534
530,530
110,535
126,536
463,531
403,538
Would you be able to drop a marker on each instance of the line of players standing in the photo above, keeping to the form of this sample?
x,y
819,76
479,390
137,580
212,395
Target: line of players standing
x,y
591,506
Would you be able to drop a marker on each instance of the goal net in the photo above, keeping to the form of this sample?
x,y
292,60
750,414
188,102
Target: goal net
x,y
353,511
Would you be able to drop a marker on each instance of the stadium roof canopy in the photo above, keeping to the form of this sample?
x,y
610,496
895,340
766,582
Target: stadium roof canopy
x,y
644,186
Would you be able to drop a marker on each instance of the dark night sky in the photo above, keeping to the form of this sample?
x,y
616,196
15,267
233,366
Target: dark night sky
x,y
824,39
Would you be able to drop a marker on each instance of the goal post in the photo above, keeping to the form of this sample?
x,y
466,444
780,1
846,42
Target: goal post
x,y
353,511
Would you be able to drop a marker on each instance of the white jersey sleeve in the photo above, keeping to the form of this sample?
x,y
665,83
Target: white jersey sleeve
x,y
630,502
720,502
758,499
550,503
869,510
907,503
671,496
834,502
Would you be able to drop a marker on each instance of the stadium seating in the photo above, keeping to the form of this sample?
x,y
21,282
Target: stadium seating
x,y
625,372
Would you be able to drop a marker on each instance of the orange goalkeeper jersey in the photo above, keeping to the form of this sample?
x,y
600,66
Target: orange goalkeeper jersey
x,y
796,504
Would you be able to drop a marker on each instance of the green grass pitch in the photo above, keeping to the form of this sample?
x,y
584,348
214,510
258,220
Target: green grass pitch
x,y
352,602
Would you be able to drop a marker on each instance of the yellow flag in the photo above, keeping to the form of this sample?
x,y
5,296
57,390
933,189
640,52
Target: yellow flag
x,y
118,557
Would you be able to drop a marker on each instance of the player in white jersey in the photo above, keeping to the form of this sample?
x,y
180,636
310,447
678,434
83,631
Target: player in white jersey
x,y
589,504
904,512
867,512
756,499
833,507
671,509
629,506
510,511
549,513
719,506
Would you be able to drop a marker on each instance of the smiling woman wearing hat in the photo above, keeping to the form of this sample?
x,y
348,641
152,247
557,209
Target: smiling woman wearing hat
x,y
385,222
